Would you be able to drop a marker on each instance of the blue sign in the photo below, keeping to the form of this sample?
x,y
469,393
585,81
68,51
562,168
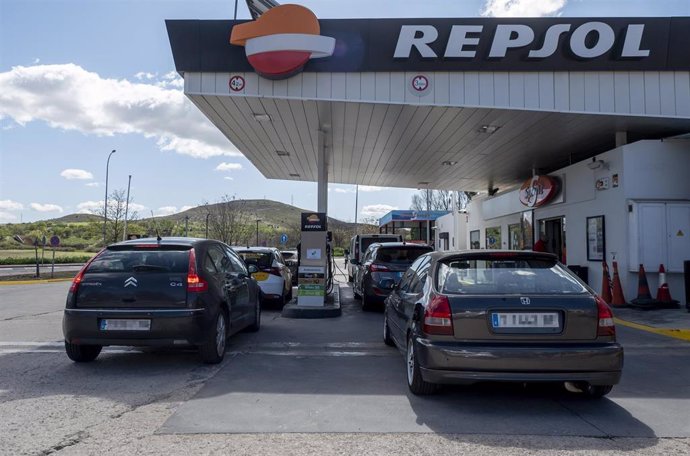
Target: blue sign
x,y
283,238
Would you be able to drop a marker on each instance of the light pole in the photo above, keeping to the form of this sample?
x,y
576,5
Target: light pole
x,y
105,203
207,216
257,231
129,183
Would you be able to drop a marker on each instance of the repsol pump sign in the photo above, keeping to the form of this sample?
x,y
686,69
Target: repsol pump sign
x,y
469,44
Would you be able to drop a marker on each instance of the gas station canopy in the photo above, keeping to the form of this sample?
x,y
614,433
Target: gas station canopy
x,y
467,104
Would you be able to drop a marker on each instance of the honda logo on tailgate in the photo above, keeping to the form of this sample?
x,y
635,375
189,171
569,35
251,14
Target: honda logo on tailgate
x,y
131,282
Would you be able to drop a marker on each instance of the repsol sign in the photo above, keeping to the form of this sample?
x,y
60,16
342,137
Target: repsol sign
x,y
586,41
469,44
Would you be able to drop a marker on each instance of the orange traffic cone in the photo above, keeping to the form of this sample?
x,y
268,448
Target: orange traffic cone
x,y
644,297
664,294
606,283
618,299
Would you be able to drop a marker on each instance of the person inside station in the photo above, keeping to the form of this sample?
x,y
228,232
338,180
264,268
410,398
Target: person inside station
x,y
540,245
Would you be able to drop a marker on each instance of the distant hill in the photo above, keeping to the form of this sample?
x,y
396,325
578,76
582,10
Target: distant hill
x,y
77,218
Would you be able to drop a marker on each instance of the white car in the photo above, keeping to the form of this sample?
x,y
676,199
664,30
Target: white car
x,y
273,275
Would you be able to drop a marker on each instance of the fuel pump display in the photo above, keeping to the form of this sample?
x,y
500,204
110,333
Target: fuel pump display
x,y
314,271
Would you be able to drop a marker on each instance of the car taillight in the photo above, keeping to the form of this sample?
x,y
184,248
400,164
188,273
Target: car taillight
x,y
195,284
80,275
606,326
373,267
437,317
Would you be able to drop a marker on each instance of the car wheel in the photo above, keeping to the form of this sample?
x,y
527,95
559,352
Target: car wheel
x,y
254,327
213,351
82,353
589,391
387,339
415,381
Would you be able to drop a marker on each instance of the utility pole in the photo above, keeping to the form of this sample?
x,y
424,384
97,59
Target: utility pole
x,y
186,226
257,231
208,214
129,183
105,203
356,206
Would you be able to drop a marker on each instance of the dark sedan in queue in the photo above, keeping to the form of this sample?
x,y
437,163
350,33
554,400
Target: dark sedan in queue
x,y
516,316
161,291
380,262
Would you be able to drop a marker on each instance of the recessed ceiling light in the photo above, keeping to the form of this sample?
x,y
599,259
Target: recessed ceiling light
x,y
449,163
294,175
282,153
261,117
490,129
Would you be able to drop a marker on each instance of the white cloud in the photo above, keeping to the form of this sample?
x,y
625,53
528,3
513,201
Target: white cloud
x,y
36,60
9,205
229,178
45,207
71,174
71,98
144,75
6,217
166,210
522,8
135,207
186,208
370,188
377,210
229,167
90,207
93,184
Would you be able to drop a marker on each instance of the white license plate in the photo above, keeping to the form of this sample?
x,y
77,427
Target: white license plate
x,y
524,320
125,325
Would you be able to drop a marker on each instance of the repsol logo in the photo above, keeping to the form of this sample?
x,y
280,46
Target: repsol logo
x,y
586,41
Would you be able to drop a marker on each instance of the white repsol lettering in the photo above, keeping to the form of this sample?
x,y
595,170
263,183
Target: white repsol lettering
x,y
408,38
510,36
458,39
588,41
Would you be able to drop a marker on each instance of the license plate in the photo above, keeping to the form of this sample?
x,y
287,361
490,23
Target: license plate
x,y
125,325
260,276
524,320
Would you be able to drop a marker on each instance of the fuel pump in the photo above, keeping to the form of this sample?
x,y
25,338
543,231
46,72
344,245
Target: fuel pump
x,y
315,264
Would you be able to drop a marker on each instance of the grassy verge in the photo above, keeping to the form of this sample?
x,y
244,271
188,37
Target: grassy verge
x,y
44,276
12,257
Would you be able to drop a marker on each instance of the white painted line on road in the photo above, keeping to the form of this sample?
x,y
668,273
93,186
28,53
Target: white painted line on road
x,y
57,343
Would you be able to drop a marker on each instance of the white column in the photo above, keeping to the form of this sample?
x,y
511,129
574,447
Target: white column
x,y
322,167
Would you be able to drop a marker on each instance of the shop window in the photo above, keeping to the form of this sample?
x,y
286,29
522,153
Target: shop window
x,y
474,240
493,237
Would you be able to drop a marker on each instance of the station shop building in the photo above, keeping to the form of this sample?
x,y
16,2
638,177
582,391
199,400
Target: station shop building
x,y
592,112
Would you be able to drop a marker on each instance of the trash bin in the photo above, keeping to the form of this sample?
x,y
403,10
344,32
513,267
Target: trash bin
x,y
581,271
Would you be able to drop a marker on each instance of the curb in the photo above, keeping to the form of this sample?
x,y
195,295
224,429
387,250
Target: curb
x,y
33,282
681,334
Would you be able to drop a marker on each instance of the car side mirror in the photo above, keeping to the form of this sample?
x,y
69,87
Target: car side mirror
x,y
387,284
252,268
355,262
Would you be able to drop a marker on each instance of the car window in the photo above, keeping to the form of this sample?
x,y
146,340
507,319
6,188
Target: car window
x,y
220,261
506,276
367,241
400,255
140,260
409,276
421,274
236,262
209,265
262,260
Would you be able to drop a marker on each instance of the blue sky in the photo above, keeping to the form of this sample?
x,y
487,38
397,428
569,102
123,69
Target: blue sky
x,y
79,78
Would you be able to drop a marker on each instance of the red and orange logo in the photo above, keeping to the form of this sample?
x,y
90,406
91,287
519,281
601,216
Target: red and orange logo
x,y
282,40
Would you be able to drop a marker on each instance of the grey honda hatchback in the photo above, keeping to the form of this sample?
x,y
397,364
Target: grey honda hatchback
x,y
517,316
152,292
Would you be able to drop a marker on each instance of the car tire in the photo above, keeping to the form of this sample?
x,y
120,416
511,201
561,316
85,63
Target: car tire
x,y
415,382
289,295
213,350
387,339
82,353
597,391
254,327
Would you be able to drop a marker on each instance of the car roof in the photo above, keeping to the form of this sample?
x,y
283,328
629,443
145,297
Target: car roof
x,y
255,249
414,245
506,254
185,241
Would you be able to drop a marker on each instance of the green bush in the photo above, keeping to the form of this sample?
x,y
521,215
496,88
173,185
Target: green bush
x,y
338,252
47,260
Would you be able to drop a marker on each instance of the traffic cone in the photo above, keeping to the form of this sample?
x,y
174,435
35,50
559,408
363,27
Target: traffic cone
x,y
664,294
618,299
644,297
606,283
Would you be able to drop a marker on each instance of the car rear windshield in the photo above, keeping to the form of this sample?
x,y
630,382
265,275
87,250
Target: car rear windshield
x,y
261,260
141,260
288,255
400,255
506,276
367,241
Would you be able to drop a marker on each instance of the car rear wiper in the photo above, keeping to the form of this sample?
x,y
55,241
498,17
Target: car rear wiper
x,y
148,267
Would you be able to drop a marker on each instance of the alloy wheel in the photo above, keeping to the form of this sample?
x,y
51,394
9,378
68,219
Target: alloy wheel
x,y
220,334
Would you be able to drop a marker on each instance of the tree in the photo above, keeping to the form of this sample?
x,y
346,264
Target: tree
x,y
439,200
117,203
229,222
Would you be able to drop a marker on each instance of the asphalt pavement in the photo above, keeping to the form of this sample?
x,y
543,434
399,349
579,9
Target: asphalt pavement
x,y
311,387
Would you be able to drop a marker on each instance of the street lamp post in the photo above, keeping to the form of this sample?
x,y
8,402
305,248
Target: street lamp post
x,y
257,231
105,203
129,183
207,216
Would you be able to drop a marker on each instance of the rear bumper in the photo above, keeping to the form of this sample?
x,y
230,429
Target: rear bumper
x,y
272,287
168,327
448,362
